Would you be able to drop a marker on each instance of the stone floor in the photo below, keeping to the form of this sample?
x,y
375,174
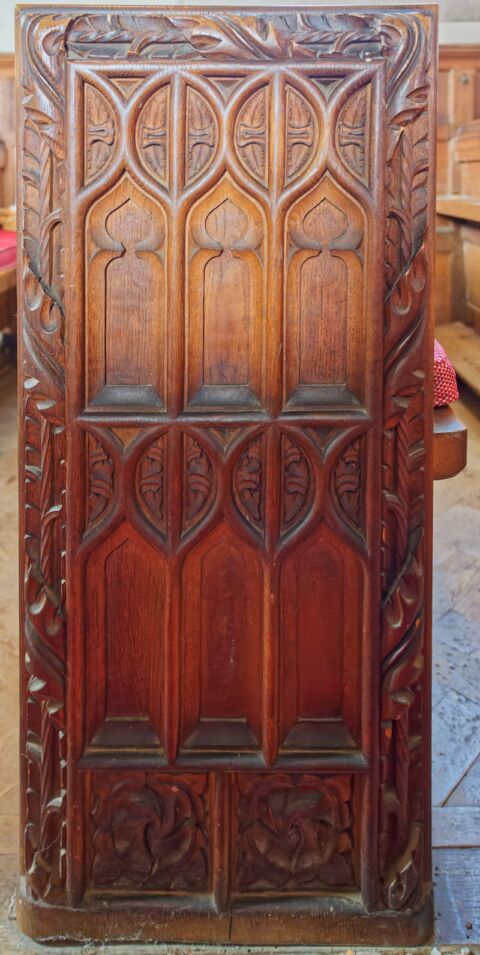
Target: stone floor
x,y
456,699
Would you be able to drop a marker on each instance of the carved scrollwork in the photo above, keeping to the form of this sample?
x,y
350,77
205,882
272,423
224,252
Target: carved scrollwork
x,y
347,485
152,135
100,480
199,483
248,484
150,483
294,832
150,831
100,134
300,134
201,135
251,135
297,484
233,36
353,132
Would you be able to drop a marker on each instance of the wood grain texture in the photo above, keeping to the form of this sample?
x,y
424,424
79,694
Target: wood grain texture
x,y
246,389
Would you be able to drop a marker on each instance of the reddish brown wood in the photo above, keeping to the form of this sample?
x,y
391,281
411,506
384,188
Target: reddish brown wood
x,y
225,378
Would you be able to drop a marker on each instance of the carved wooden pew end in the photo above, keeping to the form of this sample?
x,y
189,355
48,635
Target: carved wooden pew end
x,y
226,384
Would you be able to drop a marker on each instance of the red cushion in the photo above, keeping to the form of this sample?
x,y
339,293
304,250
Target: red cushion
x,y
8,249
444,378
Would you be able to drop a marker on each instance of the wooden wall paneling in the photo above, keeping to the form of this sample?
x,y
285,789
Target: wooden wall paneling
x,y
226,385
458,103
445,252
7,130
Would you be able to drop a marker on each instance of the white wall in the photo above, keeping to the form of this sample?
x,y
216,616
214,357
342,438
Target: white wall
x,y
463,16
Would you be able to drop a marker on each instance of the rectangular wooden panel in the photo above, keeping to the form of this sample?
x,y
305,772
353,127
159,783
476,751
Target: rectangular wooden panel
x,y
225,379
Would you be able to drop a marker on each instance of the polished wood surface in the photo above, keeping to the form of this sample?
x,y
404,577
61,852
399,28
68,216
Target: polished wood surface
x,y
226,394
456,702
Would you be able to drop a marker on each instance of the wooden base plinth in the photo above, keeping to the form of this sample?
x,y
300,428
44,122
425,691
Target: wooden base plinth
x,y
320,921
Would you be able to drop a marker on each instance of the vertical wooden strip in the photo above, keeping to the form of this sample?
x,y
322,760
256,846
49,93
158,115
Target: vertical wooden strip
x,y
275,345
270,598
371,490
429,417
176,250
76,491
171,715
221,840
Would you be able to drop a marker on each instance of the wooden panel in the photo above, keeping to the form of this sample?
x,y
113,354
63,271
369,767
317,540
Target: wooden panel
x,y
226,387
222,621
226,318
273,814
125,236
323,256
125,670
320,675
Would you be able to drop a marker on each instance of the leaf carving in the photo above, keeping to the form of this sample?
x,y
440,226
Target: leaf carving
x,y
150,483
248,484
100,480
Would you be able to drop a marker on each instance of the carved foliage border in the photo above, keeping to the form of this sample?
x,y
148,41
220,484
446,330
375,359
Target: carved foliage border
x,y
404,793
42,374
269,36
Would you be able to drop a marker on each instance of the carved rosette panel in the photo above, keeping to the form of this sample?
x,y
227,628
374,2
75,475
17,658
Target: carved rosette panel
x,y
201,136
100,133
251,135
297,484
347,485
294,832
150,832
353,132
249,484
100,478
152,135
301,134
150,483
199,483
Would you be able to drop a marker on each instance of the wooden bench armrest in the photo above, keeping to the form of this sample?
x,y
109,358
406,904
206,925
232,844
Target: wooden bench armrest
x,y
449,444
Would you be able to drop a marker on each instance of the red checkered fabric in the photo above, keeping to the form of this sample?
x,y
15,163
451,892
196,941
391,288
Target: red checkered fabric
x,y
444,378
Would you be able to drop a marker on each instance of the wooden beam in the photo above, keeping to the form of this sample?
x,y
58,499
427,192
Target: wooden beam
x,y
459,207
